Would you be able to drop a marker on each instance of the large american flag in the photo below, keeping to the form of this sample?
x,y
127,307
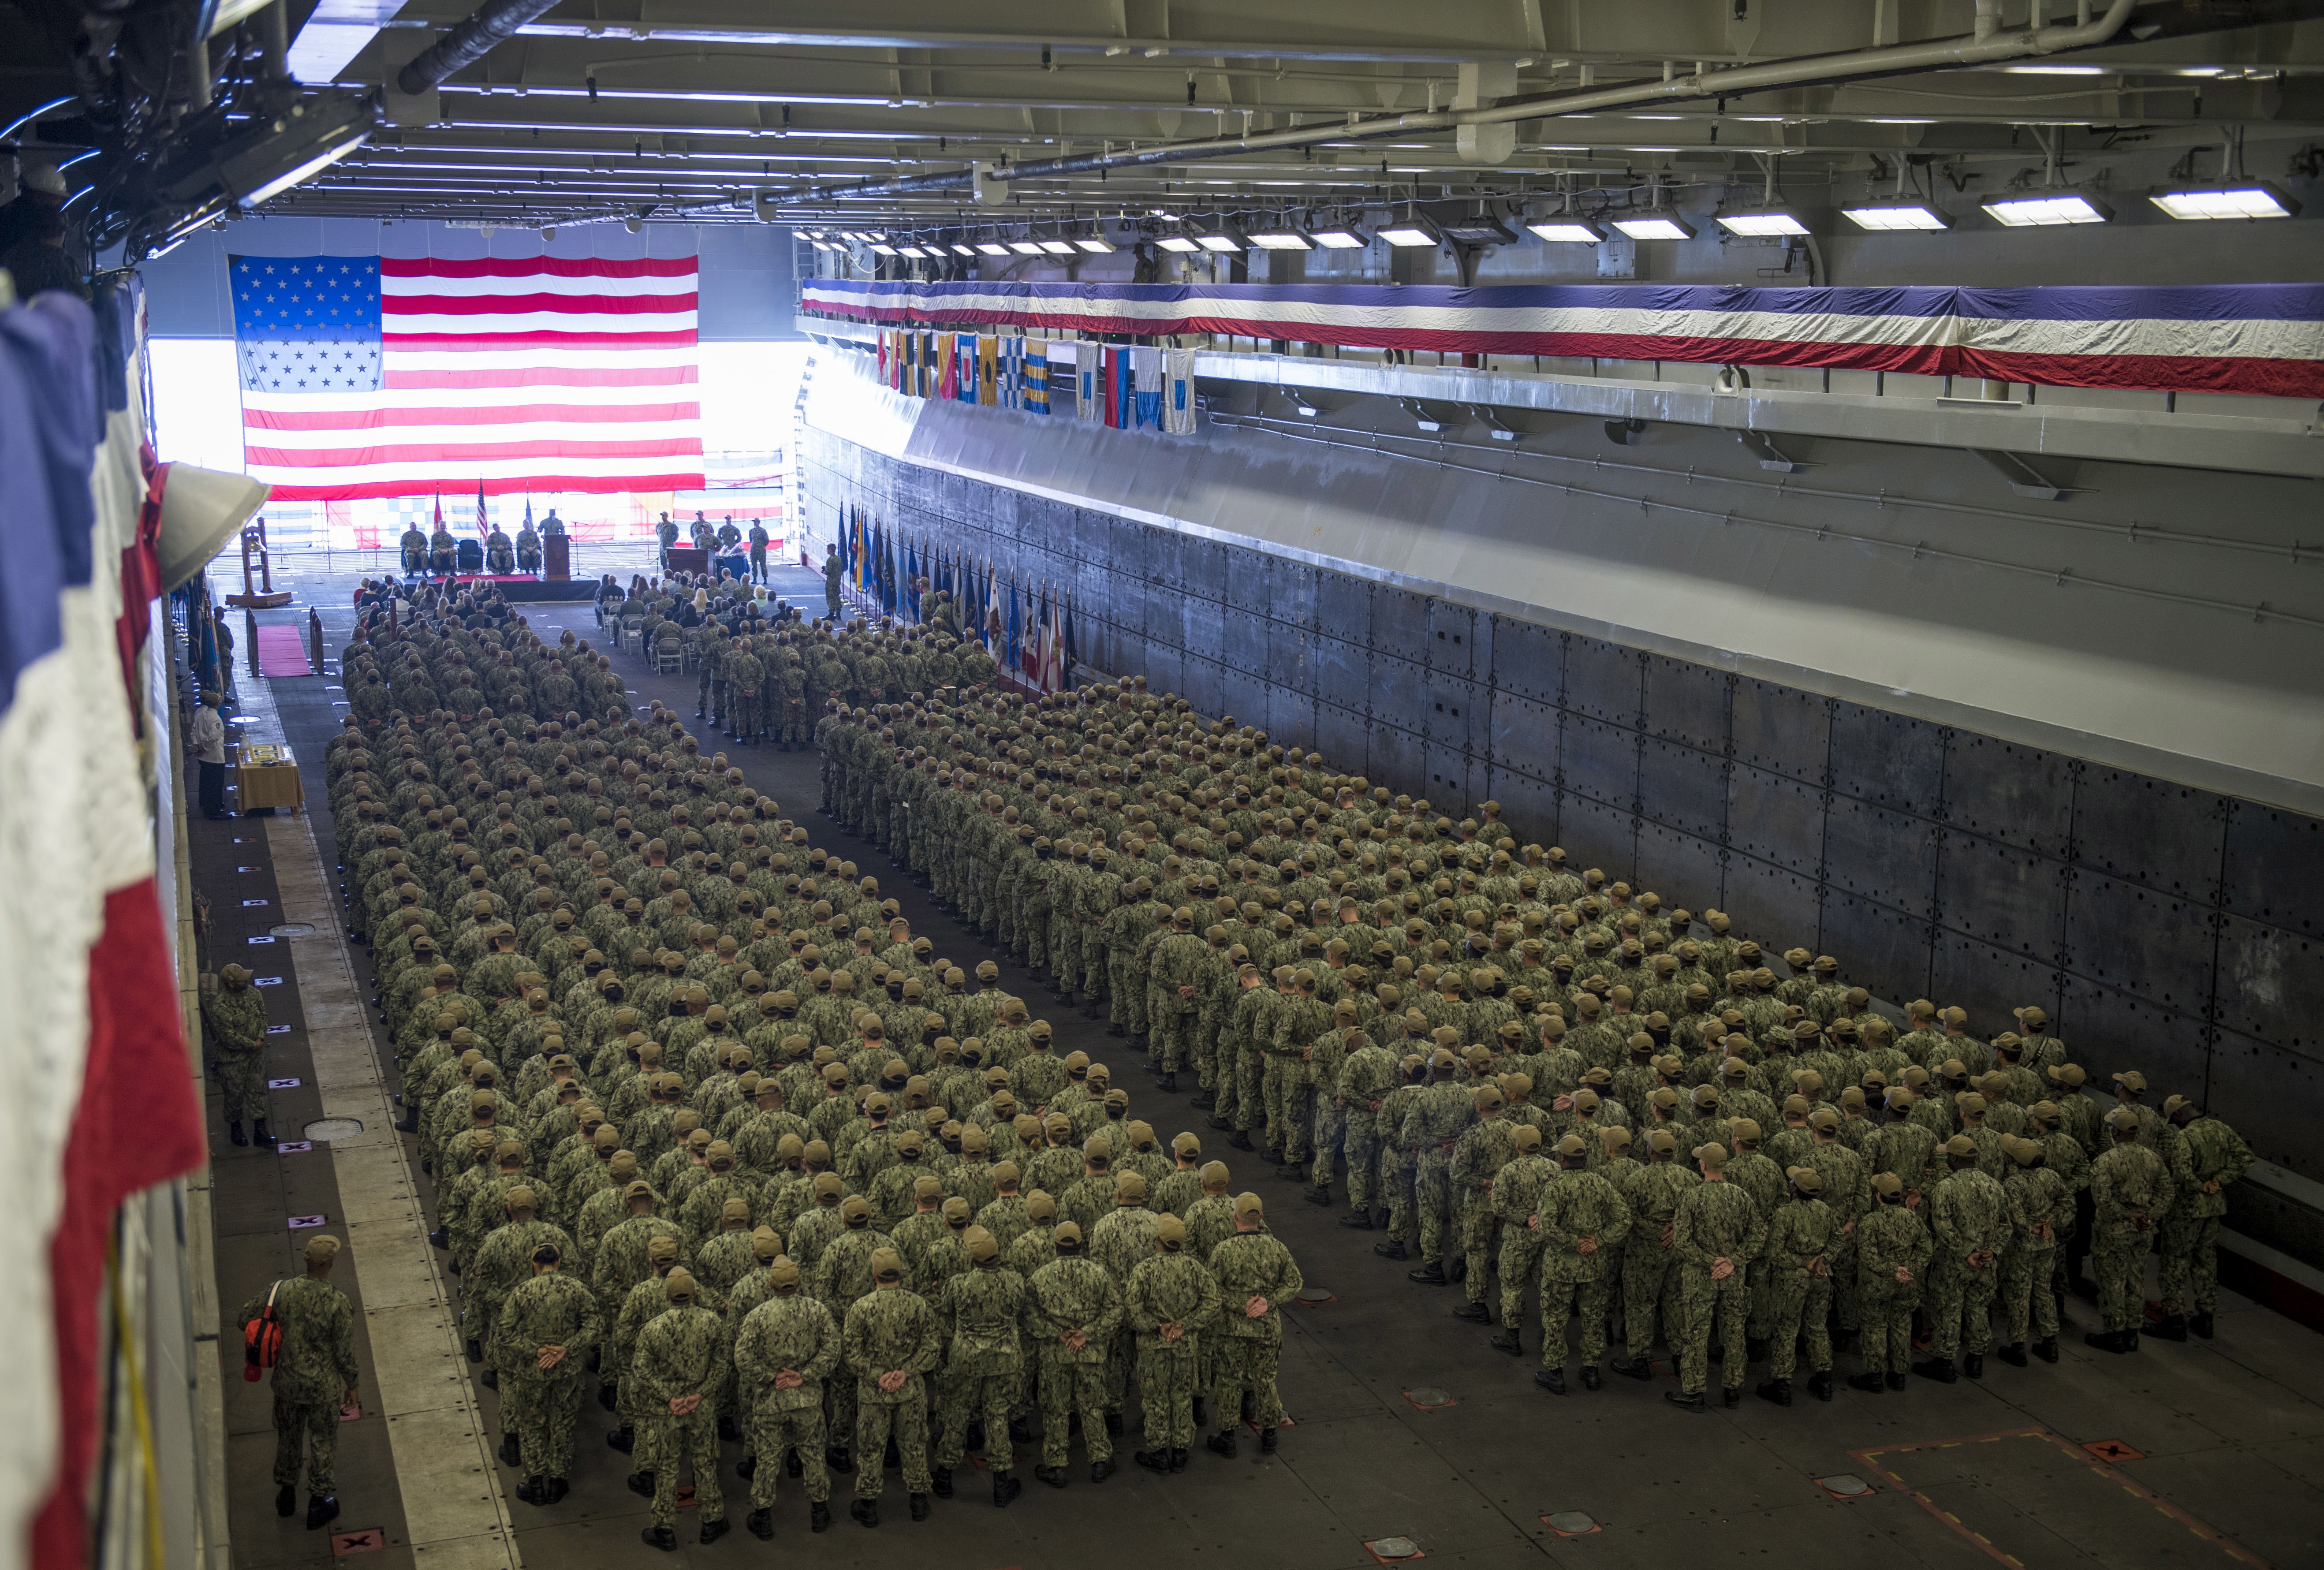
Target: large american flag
x,y
367,377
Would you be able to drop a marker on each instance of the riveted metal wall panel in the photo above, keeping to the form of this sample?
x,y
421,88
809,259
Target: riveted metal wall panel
x,y
2274,867
1398,693
1398,758
1451,783
1778,907
1525,735
1165,670
1685,869
1987,982
1243,696
1528,660
1291,597
1400,624
1881,949
2001,895
2138,939
2272,984
1339,672
1247,585
1595,835
2269,1097
1206,628
1686,703
1781,729
1883,855
1528,804
1601,763
1339,731
1292,722
1343,607
1201,682
1601,681
1456,709
2115,1030
1777,819
1887,760
2018,795
2150,831
1684,788
1205,564
1451,637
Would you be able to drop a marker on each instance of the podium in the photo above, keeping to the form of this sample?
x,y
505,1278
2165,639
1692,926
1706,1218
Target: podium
x,y
556,557
695,558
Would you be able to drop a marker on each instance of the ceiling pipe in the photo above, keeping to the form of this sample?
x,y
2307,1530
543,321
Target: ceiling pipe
x,y
493,22
1849,65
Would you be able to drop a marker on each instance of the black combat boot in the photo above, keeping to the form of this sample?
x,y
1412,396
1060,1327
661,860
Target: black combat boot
x,y
1939,1369
660,1538
321,1509
1005,1490
2173,1328
940,1479
1777,1391
1551,1380
760,1524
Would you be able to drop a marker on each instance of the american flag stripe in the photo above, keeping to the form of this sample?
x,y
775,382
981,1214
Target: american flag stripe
x,y
399,308
511,414
332,448
537,374
490,397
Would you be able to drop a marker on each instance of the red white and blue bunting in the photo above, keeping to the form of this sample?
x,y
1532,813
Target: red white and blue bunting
x,y
2237,338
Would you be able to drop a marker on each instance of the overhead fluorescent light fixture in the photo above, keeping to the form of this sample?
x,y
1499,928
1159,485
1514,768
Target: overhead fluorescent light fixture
x,y
2047,209
1568,231
1339,238
991,248
960,250
1478,229
1410,231
1181,243
882,249
1057,247
1654,226
1220,240
2045,69
1095,245
912,251
1896,218
1761,222
2242,199
1026,247
1280,240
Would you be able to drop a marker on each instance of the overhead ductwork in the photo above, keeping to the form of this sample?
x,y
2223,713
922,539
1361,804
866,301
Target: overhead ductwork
x,y
493,23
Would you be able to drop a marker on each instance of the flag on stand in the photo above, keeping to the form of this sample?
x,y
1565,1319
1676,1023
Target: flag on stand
x,y
484,516
369,376
1072,652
